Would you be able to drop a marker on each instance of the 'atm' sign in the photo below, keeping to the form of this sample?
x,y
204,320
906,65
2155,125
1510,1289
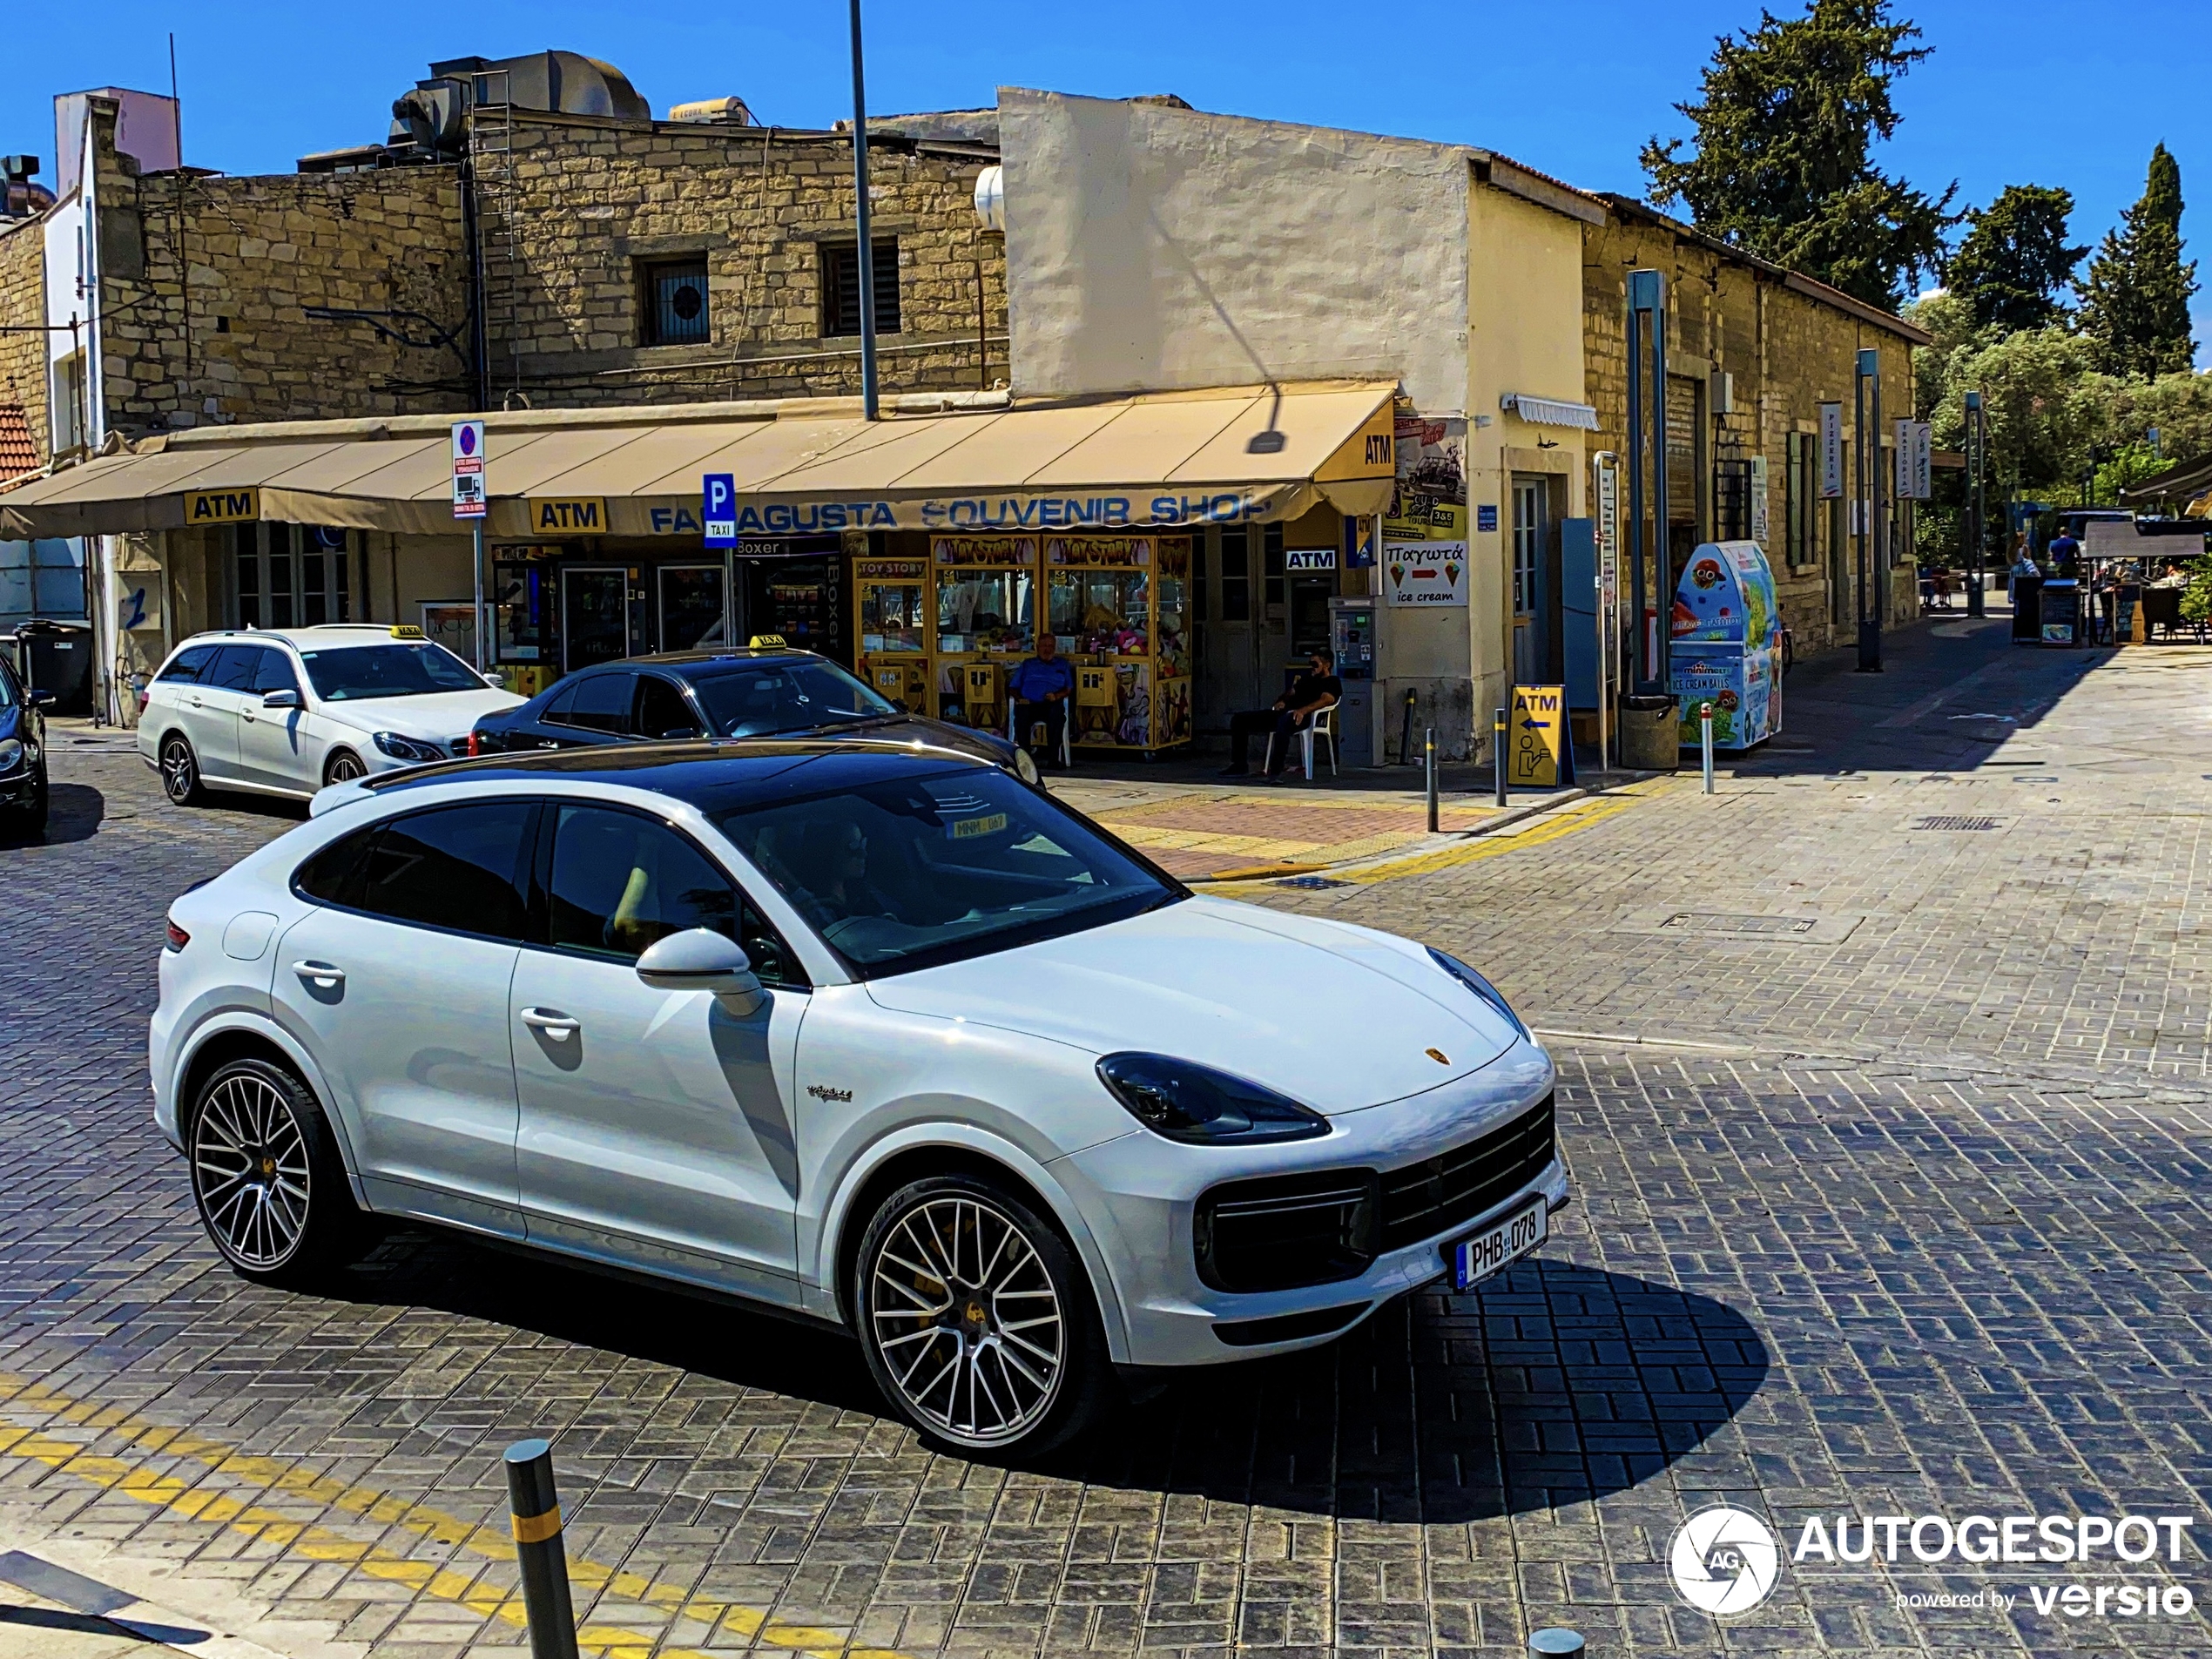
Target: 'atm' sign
x,y
222,507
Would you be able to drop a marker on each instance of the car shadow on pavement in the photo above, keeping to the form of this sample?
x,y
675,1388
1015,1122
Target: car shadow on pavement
x,y
73,813
1553,1385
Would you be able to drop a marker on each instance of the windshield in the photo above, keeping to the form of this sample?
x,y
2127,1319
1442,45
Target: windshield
x,y
353,673
760,698
926,869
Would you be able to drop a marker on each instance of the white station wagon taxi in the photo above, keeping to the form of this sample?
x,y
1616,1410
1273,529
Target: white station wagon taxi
x,y
288,711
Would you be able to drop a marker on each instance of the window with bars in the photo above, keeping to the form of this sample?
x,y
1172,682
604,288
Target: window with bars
x,y
675,307
1731,500
841,287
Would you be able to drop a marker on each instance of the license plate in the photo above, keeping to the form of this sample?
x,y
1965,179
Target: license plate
x,y
1476,1257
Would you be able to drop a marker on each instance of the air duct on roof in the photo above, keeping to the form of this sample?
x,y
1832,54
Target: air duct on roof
x,y
434,116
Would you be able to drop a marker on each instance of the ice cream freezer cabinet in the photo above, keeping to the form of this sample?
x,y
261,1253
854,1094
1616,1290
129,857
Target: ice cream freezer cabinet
x,y
1724,645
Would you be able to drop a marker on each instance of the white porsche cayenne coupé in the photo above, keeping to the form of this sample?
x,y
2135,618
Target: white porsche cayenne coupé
x,y
867,1030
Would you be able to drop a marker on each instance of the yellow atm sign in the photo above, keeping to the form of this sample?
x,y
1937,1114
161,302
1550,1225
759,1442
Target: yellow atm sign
x,y
222,507
567,514
1536,734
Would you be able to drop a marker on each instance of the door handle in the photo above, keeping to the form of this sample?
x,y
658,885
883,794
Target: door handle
x,y
321,974
197,703
556,1024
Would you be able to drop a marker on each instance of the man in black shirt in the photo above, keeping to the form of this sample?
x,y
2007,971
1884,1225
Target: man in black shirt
x,y
1317,689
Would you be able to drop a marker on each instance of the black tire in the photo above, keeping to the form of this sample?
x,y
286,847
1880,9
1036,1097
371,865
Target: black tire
x,y
267,1178
922,1372
342,767
180,779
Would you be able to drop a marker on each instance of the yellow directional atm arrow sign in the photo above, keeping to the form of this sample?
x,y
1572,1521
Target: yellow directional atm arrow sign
x,y
1535,736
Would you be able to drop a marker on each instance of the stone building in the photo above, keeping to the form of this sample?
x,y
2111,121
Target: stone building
x,y
1753,350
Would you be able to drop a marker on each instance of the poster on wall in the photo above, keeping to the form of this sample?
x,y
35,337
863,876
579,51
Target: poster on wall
x,y
1430,504
451,623
1425,573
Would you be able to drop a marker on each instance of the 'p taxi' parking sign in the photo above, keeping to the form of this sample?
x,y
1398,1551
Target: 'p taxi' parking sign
x,y
719,508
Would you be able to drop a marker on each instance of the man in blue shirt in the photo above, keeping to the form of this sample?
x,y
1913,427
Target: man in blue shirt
x,y
1040,688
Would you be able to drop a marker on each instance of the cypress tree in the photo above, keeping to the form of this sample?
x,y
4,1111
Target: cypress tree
x,y
2135,301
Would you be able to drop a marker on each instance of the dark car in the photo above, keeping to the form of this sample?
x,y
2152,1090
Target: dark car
x,y
768,692
23,757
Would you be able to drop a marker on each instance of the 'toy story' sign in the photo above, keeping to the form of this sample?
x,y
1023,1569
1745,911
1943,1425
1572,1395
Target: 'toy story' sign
x,y
1425,573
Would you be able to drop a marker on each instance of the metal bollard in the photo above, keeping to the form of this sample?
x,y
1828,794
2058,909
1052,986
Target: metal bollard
x,y
1428,741
1557,1640
1705,728
536,1508
1498,752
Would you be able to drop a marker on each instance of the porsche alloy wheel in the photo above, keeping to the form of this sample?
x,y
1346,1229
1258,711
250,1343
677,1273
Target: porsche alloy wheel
x,y
250,1170
976,1319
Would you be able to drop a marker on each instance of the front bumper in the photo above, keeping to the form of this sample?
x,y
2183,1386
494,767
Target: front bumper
x,y
1139,1195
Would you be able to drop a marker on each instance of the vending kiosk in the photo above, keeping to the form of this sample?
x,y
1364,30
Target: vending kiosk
x,y
893,655
1726,645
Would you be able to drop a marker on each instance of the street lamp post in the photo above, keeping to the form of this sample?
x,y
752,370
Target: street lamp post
x,y
1866,502
1976,600
865,253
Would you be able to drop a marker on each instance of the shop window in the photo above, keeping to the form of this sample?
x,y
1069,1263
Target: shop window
x,y
984,609
1104,611
290,576
841,287
1235,575
675,308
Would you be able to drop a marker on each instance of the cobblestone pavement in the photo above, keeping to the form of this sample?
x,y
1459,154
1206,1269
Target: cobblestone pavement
x,y
1890,1145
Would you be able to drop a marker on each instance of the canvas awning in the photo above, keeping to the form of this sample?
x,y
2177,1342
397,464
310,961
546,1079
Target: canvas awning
x,y
1549,411
1165,459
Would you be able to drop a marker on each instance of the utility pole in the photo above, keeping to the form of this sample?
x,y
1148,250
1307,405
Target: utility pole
x,y
865,255
1976,600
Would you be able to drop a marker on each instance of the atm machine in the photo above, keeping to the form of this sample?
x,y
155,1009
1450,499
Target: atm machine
x,y
1352,637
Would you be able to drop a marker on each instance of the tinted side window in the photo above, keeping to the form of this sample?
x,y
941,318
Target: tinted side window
x,y
191,662
334,875
602,703
564,700
620,881
662,711
453,866
273,672
232,669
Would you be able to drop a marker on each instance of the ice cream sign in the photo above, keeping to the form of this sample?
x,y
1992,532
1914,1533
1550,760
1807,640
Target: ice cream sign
x,y
1425,573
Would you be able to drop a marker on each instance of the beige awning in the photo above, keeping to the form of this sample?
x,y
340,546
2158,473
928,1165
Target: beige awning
x,y
1163,459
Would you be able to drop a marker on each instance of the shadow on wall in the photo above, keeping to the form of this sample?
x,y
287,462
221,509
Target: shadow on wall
x,y
1553,1385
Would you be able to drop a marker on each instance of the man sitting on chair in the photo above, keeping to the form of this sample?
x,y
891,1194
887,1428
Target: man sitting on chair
x,y
1040,688
1312,692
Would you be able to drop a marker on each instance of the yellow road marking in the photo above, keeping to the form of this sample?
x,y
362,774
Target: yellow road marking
x,y
151,1486
1547,827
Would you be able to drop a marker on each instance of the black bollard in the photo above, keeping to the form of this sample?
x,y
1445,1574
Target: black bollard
x,y
538,1548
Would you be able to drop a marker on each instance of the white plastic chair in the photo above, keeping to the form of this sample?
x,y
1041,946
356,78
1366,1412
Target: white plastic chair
x,y
1320,723
1067,727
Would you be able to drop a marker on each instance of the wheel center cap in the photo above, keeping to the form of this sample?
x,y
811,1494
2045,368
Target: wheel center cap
x,y
268,1166
974,1313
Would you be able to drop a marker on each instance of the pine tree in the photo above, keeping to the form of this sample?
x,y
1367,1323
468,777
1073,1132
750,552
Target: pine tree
x,y
1781,164
2013,262
2135,302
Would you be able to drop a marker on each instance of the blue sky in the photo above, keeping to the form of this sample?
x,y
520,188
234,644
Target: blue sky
x,y
2028,91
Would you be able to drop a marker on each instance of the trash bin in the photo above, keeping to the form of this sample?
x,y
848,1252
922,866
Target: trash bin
x,y
57,657
1649,741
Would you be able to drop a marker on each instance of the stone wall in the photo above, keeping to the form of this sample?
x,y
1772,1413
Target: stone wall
x,y
22,305
232,341
584,206
1788,352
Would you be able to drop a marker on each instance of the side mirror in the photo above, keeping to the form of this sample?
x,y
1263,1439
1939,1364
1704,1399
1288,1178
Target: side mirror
x,y
45,699
680,734
495,682
699,959
281,700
